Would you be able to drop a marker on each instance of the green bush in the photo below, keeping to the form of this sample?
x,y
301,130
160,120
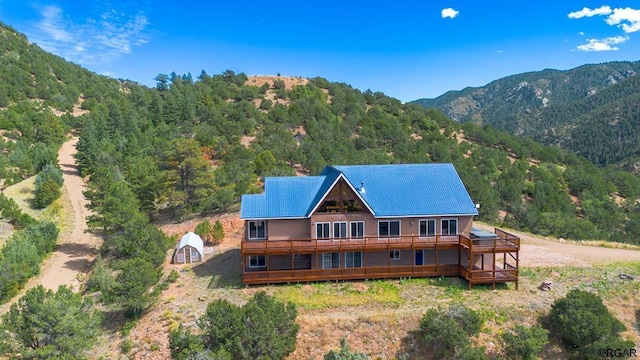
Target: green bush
x,y
46,193
583,324
524,343
50,325
100,278
263,328
445,334
345,353
49,171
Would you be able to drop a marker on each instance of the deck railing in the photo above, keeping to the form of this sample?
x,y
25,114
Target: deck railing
x,y
502,242
375,272
347,244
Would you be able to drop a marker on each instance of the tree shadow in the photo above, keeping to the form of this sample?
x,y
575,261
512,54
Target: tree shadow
x,y
81,265
114,320
75,250
224,267
69,169
409,347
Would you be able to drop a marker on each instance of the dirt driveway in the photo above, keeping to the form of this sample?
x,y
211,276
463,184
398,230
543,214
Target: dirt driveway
x,y
75,250
538,251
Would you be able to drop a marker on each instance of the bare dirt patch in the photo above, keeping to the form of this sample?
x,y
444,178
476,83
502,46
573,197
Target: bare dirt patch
x,y
289,81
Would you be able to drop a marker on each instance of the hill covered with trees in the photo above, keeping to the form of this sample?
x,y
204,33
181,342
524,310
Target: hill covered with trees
x,y
590,110
196,145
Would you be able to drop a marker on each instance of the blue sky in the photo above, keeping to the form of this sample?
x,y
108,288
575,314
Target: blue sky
x,y
406,49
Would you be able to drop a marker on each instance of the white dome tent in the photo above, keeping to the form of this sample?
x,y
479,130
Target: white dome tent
x,y
190,249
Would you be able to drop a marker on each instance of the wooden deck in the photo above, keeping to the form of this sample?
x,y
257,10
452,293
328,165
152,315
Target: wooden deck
x,y
504,243
308,246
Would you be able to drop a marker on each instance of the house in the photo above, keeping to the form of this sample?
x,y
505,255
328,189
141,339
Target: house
x,y
190,249
368,222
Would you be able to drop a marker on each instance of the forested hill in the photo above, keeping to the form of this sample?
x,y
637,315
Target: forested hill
x,y
591,110
195,145
35,86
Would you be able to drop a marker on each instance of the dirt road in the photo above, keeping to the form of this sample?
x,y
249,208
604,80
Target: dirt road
x,y
538,251
75,250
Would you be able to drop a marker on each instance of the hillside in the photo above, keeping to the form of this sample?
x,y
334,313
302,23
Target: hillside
x,y
588,110
187,149
41,99
230,130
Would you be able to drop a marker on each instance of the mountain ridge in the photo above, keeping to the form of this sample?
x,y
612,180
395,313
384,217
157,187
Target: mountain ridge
x,y
549,106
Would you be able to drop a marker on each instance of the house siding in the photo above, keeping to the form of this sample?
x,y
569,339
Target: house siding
x,y
288,229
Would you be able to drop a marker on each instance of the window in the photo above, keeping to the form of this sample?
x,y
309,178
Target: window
x,y
194,254
389,228
449,226
330,260
340,229
257,230
257,261
329,206
427,228
357,229
296,256
353,259
394,254
322,231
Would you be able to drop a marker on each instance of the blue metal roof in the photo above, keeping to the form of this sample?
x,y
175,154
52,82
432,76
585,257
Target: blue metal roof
x,y
283,197
389,190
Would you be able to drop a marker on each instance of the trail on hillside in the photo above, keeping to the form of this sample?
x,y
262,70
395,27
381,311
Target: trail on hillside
x,y
76,249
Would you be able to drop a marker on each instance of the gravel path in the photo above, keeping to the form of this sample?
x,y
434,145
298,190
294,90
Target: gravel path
x,y
75,250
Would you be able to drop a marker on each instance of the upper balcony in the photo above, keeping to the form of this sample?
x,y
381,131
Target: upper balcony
x,y
502,242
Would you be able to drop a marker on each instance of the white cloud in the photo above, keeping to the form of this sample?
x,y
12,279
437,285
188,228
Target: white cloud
x,y
628,19
586,12
96,41
449,13
603,44
51,23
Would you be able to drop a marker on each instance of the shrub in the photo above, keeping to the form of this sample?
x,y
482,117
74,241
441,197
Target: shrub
x,y
46,193
345,353
524,343
583,324
217,233
445,334
263,328
51,325
100,278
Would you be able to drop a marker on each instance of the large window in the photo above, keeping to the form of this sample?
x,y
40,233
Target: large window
x,y
322,231
257,230
389,228
353,259
340,229
357,229
330,260
257,261
427,227
449,226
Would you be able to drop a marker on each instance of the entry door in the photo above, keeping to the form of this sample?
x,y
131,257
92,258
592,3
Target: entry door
x,y
187,253
419,257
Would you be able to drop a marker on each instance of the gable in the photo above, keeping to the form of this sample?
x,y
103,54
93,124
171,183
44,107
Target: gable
x,y
341,197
